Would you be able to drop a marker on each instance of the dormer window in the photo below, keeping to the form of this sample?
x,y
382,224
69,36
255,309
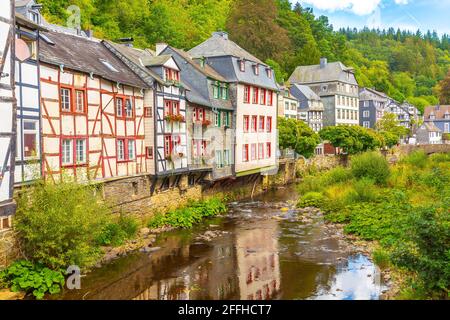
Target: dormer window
x,y
269,73
432,116
242,65
171,75
447,115
34,16
256,69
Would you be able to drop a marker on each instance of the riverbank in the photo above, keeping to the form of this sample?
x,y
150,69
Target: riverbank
x,y
392,211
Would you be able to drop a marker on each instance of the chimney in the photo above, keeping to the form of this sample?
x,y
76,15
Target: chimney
x,y
323,62
221,34
160,48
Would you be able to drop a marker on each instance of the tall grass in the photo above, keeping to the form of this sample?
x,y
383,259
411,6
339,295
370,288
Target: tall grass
x,y
371,165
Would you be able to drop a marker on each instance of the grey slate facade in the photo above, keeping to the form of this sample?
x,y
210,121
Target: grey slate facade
x,y
310,106
372,106
337,87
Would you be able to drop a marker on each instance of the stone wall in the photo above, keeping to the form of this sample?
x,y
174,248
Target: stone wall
x,y
9,249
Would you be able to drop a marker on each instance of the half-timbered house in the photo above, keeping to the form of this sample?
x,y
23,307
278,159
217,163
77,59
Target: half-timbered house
x,y
7,113
92,111
164,112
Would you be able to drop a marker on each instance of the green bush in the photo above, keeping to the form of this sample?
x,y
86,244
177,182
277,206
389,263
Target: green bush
x,y
115,234
311,183
425,249
370,165
311,199
364,191
337,175
186,217
440,157
36,279
58,224
417,159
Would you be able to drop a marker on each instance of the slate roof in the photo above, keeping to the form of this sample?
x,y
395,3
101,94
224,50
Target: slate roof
x,y
332,71
364,96
306,91
430,127
219,45
137,57
83,55
437,111
154,61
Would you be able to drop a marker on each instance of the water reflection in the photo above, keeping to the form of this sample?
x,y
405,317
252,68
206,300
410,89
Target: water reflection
x,y
261,257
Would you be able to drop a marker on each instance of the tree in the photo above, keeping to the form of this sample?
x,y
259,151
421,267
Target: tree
x,y
444,90
252,25
298,136
390,127
352,139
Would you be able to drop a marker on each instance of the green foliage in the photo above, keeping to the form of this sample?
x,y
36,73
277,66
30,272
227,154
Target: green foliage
x,y
370,165
311,199
59,224
417,159
298,136
352,139
424,248
409,218
36,279
337,175
391,130
187,216
115,234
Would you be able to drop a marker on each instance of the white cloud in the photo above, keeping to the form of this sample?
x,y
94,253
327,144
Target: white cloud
x,y
359,7
401,1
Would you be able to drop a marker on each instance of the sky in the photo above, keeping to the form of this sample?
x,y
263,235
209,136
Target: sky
x,y
404,14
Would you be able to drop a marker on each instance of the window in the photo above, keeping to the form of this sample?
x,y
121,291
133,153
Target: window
x,y
245,153
366,114
269,73
224,92
81,150
247,94
269,124
31,44
246,123
34,16
171,74
217,119
226,118
131,153
30,139
256,69
261,151
261,123
270,98
269,150
168,146
366,124
216,91
255,95
121,150
262,97
171,107
79,101
149,152
254,123
339,113
219,159
226,158
65,99
129,108
119,107
148,112
67,149
253,151
286,106
242,65
447,127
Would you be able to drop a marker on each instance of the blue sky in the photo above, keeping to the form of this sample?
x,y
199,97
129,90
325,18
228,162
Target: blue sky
x,y
404,14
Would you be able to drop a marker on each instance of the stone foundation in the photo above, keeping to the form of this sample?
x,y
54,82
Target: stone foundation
x,y
9,249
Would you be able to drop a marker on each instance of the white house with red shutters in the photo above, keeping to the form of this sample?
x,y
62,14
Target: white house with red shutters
x,y
92,111
253,91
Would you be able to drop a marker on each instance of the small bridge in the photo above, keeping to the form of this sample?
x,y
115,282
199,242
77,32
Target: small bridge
x,y
427,148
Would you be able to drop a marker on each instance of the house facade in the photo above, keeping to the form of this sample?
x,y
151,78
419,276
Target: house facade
x,y
92,111
439,115
287,104
372,106
28,155
210,115
7,112
165,111
253,92
311,108
428,133
407,114
336,86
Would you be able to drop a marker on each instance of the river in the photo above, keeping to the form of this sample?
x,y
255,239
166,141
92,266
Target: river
x,y
259,250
